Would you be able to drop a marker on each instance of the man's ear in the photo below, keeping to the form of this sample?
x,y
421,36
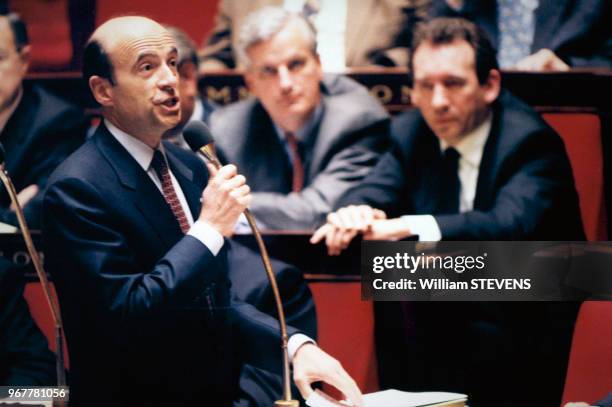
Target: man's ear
x,y
102,90
248,79
492,86
25,56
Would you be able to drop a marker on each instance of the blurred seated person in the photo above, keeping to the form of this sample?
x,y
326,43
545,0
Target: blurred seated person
x,y
541,35
37,129
472,163
25,359
193,105
304,138
350,33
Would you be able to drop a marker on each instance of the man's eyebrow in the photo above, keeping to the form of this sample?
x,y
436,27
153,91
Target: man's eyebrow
x,y
144,55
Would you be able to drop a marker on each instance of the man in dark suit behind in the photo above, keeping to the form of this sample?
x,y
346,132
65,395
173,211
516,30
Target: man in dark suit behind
x,y
37,129
471,164
134,232
304,139
540,35
25,358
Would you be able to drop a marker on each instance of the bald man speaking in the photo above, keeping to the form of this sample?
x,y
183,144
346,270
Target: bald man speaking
x,y
134,231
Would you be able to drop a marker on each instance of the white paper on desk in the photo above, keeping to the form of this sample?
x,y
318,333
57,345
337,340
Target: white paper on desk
x,y
396,398
389,398
8,402
6,228
319,399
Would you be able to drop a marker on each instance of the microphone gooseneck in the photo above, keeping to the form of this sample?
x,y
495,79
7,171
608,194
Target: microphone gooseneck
x,y
200,140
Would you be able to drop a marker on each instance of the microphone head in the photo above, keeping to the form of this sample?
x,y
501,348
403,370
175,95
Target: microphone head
x,y
1,154
197,135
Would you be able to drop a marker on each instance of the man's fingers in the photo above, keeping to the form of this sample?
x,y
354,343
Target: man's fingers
x,y
227,172
320,233
343,382
304,387
235,182
378,214
240,191
212,170
347,217
334,219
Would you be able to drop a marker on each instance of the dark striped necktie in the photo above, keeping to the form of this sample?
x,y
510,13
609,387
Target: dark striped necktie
x,y
161,168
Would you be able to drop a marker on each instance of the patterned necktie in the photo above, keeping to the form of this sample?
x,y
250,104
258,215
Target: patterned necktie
x,y
161,168
450,184
516,23
296,162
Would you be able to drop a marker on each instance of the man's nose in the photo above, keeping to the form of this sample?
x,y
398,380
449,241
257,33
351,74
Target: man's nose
x,y
168,77
284,79
439,99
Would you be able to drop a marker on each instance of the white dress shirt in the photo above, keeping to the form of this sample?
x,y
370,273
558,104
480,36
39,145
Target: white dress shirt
x,y
470,148
206,234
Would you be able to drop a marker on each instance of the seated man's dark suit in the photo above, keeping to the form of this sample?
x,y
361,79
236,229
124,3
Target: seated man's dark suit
x,y
25,358
577,31
39,135
340,150
514,353
147,309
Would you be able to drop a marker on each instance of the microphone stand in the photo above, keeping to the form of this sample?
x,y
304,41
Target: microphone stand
x,y
42,276
208,152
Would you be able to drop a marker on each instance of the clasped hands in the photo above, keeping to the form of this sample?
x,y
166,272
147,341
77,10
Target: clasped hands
x,y
343,225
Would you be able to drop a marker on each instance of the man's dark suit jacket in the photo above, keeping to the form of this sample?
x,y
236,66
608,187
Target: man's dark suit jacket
x,y
147,309
506,354
40,134
578,31
25,359
525,188
339,151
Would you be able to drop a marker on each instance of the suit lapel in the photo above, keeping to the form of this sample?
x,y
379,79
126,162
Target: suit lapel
x,y
547,22
18,126
429,164
142,191
492,156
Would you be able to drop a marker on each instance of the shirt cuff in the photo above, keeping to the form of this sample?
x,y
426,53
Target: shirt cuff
x,y
208,235
294,343
425,226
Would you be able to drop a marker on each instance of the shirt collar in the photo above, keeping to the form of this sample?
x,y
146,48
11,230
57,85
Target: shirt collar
x,y
142,153
307,128
6,115
471,146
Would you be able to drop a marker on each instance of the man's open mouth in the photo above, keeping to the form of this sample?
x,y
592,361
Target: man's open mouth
x,y
171,102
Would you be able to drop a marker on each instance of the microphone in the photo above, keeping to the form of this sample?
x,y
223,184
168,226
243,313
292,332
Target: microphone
x,y
42,276
200,140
